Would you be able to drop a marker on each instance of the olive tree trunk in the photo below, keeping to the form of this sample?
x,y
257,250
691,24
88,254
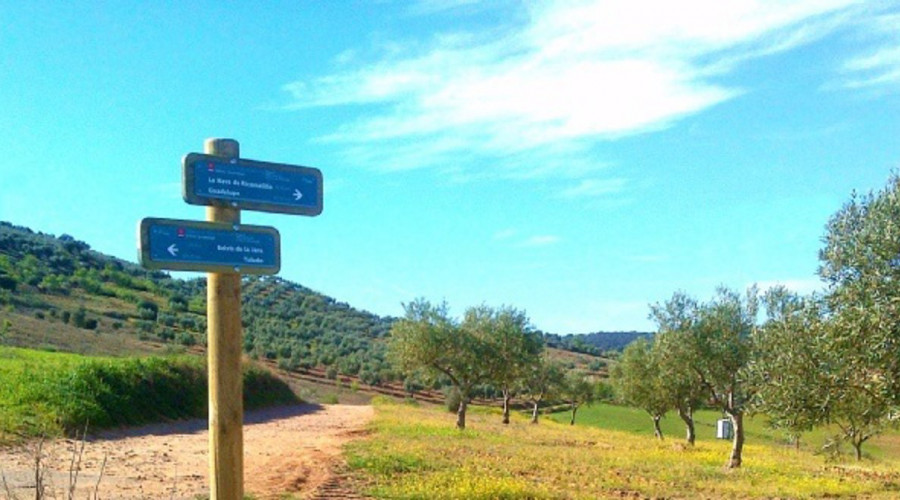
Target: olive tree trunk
x,y
657,431
534,412
461,412
506,398
737,445
687,416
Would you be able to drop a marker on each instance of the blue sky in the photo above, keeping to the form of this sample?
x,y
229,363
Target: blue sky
x,y
578,160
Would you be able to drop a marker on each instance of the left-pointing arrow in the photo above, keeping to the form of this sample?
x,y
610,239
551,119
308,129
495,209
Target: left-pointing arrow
x,y
173,250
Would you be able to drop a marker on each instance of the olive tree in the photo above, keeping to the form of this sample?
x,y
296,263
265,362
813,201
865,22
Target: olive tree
x,y
860,264
713,345
542,379
637,382
675,318
577,390
722,341
428,341
791,365
513,346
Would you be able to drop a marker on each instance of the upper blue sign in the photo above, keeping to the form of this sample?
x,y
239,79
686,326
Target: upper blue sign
x,y
181,245
252,185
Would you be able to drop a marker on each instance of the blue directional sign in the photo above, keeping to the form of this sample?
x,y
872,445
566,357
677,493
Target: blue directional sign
x,y
181,245
251,185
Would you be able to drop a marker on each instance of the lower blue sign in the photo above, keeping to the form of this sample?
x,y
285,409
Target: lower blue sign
x,y
181,245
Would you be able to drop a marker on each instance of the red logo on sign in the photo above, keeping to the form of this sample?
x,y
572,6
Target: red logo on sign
x,y
211,166
181,232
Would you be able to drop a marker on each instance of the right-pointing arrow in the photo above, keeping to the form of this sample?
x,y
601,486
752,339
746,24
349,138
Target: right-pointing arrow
x,y
297,195
173,250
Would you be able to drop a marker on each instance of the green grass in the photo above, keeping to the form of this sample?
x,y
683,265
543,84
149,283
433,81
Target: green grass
x,y
53,394
414,452
632,420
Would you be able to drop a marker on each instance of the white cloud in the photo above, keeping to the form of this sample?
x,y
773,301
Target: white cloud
x,y
541,241
878,67
505,234
548,87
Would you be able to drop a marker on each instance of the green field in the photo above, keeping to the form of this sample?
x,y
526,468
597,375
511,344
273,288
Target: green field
x,y
415,452
55,394
620,418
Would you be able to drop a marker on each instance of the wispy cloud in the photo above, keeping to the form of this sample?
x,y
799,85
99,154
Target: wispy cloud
x,y
881,68
540,241
544,88
878,66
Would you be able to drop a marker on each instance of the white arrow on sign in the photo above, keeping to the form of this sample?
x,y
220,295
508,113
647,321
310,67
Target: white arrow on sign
x,y
173,250
297,195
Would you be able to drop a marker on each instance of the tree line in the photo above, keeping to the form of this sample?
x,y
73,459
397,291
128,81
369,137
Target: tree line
x,y
829,358
489,346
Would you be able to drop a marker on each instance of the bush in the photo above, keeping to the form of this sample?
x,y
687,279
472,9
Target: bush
x,y
148,310
185,339
145,326
78,319
166,334
370,377
411,385
188,323
178,303
90,324
65,316
596,365
167,320
108,393
8,283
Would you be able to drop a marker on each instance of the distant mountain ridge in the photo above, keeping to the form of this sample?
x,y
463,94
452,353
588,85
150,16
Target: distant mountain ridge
x,y
596,343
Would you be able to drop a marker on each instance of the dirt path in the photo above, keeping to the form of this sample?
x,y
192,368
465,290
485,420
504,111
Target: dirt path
x,y
293,450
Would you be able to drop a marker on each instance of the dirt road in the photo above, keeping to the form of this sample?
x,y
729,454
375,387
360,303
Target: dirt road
x,y
287,451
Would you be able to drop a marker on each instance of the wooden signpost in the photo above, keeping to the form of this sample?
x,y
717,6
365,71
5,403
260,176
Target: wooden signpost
x,y
224,248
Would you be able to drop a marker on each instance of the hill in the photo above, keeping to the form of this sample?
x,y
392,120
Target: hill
x,y
597,344
59,294
56,293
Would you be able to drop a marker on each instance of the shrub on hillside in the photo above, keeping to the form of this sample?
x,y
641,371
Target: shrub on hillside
x,y
8,282
103,393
